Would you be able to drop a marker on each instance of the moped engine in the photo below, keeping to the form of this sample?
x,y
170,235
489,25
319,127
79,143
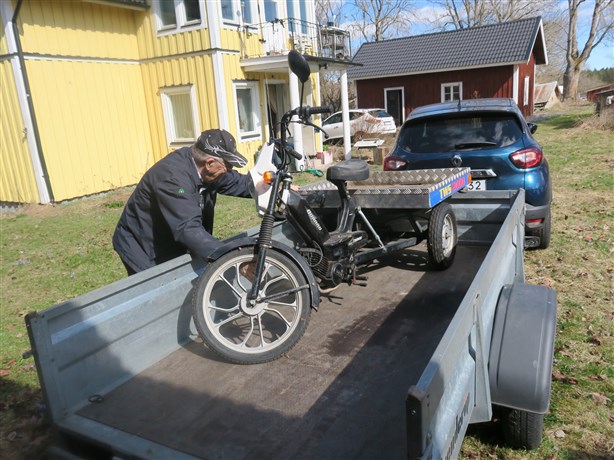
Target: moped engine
x,y
329,272
333,263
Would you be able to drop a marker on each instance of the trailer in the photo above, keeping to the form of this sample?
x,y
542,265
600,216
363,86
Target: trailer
x,y
396,369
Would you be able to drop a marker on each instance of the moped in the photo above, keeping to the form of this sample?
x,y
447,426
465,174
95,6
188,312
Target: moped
x,y
253,301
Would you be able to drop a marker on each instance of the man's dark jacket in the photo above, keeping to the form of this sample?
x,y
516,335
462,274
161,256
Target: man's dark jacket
x,y
171,211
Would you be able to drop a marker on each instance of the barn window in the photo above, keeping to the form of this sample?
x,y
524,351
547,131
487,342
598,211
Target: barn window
x,y
180,115
451,91
525,98
248,106
177,15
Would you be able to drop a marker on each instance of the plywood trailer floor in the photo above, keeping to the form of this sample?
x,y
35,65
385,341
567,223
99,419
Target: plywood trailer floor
x,y
339,394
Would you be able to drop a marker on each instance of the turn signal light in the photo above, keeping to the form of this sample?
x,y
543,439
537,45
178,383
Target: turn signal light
x,y
527,158
268,177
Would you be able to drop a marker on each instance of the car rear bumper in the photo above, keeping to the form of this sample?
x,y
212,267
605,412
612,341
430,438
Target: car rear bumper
x,y
537,212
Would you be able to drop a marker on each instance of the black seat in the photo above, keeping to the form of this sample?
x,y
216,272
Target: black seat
x,y
348,170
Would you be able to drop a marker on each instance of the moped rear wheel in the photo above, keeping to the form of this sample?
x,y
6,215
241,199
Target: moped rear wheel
x,y
243,333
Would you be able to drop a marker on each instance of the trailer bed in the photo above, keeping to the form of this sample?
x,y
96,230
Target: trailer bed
x,y
340,393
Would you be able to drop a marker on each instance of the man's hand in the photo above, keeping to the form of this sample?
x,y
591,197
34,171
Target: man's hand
x,y
248,270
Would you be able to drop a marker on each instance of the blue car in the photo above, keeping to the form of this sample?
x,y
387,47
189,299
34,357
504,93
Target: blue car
x,y
492,138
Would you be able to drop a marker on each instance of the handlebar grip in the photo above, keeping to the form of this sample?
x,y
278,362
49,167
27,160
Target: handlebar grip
x,y
319,109
295,154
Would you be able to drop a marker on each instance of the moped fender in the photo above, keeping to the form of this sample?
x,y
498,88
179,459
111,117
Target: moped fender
x,y
279,247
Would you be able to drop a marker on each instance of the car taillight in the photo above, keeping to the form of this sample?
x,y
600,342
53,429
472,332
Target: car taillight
x,y
527,158
370,119
534,222
394,163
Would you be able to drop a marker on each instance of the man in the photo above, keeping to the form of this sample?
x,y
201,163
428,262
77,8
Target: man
x,y
171,210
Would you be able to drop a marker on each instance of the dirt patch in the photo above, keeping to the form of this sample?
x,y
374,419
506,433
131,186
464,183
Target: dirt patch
x,y
602,122
113,198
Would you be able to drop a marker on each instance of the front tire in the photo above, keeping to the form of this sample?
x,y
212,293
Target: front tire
x,y
442,236
250,334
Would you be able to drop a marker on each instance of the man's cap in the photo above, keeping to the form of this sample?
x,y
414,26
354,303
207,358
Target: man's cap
x,y
220,143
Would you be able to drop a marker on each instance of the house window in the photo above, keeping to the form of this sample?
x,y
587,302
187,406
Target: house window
x,y
180,116
451,91
270,10
247,105
297,19
303,8
525,98
177,15
238,11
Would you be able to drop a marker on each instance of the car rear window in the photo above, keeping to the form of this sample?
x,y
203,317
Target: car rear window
x,y
431,135
379,113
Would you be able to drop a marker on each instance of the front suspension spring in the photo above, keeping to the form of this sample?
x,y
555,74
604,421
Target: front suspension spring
x,y
266,231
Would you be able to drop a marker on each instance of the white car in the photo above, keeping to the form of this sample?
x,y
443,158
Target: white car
x,y
363,122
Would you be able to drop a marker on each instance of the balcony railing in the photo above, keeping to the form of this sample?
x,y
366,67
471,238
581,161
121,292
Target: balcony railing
x,y
282,35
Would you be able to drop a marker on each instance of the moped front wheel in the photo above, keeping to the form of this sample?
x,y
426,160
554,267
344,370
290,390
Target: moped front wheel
x,y
245,332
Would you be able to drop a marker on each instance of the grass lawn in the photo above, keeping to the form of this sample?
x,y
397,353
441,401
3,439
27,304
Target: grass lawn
x,y
50,254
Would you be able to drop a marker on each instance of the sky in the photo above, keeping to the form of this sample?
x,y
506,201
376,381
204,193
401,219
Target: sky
x,y
601,57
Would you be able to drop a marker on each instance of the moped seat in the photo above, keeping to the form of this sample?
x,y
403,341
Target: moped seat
x,y
348,170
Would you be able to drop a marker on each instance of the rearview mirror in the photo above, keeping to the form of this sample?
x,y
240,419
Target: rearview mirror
x,y
299,66
532,127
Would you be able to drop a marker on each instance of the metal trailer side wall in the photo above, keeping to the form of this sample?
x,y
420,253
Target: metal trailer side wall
x,y
453,390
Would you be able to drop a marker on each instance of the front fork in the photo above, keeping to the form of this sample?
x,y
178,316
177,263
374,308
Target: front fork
x,y
266,233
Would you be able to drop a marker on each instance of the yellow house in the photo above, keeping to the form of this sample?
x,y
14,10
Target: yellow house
x,y
93,92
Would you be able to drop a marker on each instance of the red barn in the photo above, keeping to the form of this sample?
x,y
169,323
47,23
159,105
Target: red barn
x,y
496,60
591,94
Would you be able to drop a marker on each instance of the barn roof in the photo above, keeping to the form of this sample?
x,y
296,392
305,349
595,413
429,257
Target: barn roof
x,y
486,46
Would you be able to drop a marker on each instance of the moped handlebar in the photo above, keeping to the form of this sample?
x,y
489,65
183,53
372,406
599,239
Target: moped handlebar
x,y
306,112
295,154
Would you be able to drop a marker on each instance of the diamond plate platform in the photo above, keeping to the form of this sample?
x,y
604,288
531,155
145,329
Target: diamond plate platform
x,y
418,189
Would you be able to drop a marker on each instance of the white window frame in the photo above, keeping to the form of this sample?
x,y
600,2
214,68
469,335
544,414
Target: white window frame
x,y
172,138
525,97
255,94
238,20
452,85
183,25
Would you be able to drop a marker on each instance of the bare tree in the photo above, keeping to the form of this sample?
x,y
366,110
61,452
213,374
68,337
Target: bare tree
x,y
328,11
377,20
601,28
462,14
555,34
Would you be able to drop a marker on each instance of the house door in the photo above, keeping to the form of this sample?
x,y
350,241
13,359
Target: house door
x,y
277,105
394,104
